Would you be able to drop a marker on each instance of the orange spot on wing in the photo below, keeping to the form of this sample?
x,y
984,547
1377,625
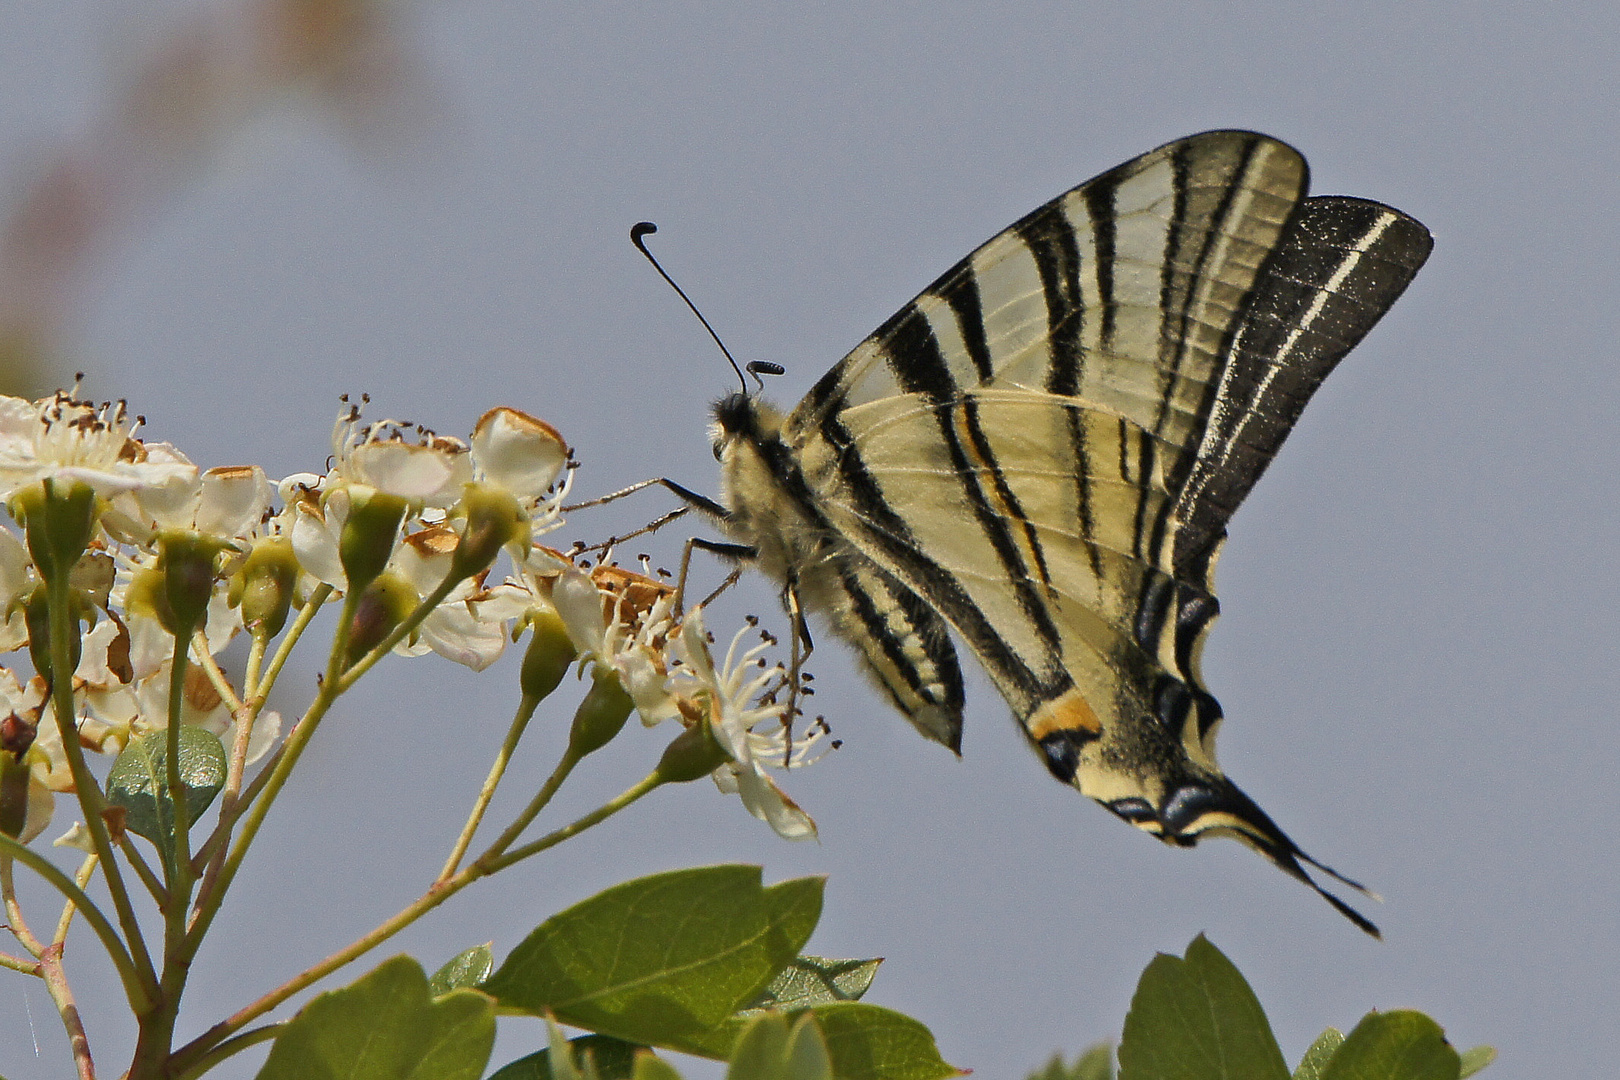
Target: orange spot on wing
x,y
1071,712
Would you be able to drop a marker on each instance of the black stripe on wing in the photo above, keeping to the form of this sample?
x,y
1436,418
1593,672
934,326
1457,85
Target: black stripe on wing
x,y
907,648
917,362
1190,246
893,539
1339,267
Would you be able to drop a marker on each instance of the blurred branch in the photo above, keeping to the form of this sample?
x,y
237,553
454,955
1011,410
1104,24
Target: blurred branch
x,y
212,74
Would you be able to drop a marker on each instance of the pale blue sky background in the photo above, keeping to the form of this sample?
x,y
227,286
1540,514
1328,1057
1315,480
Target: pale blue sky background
x,y
1417,656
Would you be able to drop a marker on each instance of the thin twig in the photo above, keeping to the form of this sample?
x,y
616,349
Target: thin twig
x,y
497,769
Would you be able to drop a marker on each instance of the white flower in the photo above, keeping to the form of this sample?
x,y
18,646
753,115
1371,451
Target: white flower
x,y
736,699
17,582
521,454
22,707
228,503
429,471
622,620
62,438
455,629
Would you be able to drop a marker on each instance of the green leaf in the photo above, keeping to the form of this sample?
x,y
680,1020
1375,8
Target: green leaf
x,y
816,980
650,1066
661,960
465,970
770,1049
1097,1063
866,1042
1317,1057
139,781
1397,1045
1476,1059
1197,1019
386,1026
615,1060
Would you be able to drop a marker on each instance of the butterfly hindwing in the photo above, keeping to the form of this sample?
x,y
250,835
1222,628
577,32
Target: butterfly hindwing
x,y
1043,450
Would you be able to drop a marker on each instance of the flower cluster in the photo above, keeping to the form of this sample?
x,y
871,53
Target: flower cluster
x,y
163,563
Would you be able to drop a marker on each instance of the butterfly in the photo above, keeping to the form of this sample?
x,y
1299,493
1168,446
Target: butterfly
x,y
1041,453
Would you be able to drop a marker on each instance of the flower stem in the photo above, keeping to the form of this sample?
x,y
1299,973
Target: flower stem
x,y
257,690
228,1048
140,998
497,769
491,861
56,984
87,870
186,1060
91,802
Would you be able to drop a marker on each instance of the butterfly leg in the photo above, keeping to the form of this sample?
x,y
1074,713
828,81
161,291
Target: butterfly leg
x,y
738,552
693,501
801,648
685,494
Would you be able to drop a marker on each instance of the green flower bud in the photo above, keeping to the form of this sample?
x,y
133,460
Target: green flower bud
x,y
186,560
59,520
369,533
386,603
494,519
691,755
264,585
147,596
37,613
548,656
13,794
601,715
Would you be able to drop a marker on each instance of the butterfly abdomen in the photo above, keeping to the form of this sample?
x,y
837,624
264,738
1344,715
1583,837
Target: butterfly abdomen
x,y
903,642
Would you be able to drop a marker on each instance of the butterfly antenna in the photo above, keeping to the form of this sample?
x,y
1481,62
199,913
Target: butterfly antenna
x,y
641,229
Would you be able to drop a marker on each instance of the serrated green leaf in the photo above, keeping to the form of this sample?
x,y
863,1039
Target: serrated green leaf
x,y
1197,1019
615,1059
770,1048
139,781
816,980
663,959
1320,1053
386,1026
1096,1063
1397,1045
1475,1060
465,970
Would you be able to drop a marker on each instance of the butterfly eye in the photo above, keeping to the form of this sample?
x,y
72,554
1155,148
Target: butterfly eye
x,y
718,446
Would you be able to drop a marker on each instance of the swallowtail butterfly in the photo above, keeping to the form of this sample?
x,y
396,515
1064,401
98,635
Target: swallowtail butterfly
x,y
1041,452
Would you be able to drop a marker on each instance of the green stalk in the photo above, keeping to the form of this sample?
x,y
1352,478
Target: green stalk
x,y
91,801
186,1060
497,769
139,997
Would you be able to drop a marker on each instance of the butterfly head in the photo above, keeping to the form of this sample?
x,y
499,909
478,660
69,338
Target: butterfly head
x,y
743,417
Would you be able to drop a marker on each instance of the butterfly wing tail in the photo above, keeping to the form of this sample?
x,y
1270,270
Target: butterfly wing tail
x,y
1220,808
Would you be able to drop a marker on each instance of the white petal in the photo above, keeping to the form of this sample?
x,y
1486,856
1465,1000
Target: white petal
x,y
520,453
265,733
453,633
232,500
315,538
767,802
431,475
580,604
76,837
